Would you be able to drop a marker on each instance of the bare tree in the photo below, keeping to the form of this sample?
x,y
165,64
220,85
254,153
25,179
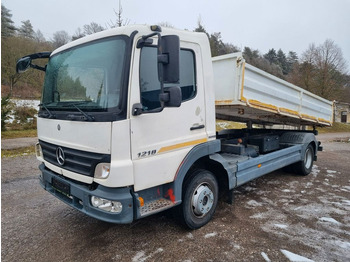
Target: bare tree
x,y
60,38
39,37
322,70
166,24
92,28
329,55
331,66
78,34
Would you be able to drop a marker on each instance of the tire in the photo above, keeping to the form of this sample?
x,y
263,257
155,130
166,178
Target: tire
x,y
199,199
304,167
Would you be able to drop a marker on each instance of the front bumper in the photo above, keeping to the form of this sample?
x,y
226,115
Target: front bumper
x,y
79,197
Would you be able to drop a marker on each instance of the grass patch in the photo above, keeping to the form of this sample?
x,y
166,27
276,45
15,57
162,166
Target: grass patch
x,y
18,133
23,151
336,128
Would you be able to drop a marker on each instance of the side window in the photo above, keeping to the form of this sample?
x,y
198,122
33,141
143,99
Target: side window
x,y
150,85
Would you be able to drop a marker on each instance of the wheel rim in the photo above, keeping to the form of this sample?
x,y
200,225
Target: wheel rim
x,y
308,159
202,200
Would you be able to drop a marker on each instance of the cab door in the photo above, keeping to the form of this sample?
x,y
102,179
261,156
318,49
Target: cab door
x,y
161,138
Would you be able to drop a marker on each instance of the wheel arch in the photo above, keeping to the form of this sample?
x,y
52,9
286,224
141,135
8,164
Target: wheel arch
x,y
304,138
211,164
200,157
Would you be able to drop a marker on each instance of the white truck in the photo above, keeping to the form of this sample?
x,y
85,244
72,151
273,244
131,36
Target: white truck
x,y
126,126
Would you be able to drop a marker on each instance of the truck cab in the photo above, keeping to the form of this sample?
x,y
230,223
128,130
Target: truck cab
x,y
108,145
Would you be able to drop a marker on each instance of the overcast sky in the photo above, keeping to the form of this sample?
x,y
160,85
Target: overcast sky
x,y
259,24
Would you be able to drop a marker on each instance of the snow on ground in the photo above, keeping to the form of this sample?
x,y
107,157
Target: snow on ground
x,y
331,172
315,170
189,235
210,235
266,258
346,202
330,220
321,224
280,226
141,255
294,257
23,102
253,203
26,102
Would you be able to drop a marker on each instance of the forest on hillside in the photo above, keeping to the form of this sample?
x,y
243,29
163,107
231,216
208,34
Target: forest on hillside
x,y
320,69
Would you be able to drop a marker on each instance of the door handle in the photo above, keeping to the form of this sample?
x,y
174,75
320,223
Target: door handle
x,y
197,127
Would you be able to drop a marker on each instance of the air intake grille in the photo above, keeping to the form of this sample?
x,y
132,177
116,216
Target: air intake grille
x,y
77,161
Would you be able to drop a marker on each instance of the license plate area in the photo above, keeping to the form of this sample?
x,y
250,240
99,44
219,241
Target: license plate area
x,y
61,186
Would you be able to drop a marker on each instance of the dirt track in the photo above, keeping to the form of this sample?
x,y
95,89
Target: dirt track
x,y
281,212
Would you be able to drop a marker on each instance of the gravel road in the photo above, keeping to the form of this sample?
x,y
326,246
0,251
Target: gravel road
x,y
14,143
279,217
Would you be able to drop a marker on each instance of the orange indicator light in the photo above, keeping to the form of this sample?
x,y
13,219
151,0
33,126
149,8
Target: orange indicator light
x,y
142,202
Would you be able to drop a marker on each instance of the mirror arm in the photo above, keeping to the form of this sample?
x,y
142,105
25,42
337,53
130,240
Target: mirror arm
x,y
164,97
163,59
145,40
137,109
38,67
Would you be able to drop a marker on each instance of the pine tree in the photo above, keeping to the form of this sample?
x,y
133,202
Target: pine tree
x,y
292,59
7,25
120,21
271,56
250,55
26,29
200,28
282,61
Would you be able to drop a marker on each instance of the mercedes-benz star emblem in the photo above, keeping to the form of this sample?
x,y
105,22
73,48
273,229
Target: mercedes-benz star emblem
x,y
60,156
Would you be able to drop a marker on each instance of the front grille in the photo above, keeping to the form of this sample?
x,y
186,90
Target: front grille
x,y
77,161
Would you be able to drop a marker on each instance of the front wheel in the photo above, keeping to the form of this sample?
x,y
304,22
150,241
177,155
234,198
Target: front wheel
x,y
200,198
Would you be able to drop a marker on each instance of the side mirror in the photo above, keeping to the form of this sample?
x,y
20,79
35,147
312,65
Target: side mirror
x,y
171,97
26,61
23,64
169,59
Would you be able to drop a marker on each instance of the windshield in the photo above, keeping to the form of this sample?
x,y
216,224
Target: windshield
x,y
89,76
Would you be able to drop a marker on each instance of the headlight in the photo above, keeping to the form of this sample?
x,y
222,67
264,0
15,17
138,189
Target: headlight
x,y
106,205
102,170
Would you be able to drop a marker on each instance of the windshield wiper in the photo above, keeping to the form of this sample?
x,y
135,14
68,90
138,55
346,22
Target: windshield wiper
x,y
49,115
86,116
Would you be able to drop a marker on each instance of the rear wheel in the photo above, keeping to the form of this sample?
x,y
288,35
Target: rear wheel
x,y
304,167
200,198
